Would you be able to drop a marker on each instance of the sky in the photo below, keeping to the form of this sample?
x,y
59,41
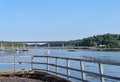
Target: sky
x,y
24,20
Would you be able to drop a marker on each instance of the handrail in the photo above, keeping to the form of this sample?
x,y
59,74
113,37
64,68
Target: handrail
x,y
84,60
83,72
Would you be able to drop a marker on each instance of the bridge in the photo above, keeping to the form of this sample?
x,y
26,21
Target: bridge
x,y
37,45
34,41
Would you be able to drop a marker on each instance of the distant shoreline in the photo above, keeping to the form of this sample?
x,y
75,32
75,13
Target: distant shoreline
x,y
76,48
100,49
105,49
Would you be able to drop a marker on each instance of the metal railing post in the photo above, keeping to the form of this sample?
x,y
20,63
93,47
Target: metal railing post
x,y
68,70
14,64
56,66
32,66
101,72
47,63
82,70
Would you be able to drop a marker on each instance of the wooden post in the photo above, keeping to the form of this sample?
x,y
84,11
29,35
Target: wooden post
x,y
14,64
82,69
68,70
101,72
56,66
47,63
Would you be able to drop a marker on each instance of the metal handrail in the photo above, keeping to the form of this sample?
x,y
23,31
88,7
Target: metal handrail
x,y
83,72
100,64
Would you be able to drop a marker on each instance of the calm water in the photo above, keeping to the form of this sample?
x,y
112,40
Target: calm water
x,y
108,56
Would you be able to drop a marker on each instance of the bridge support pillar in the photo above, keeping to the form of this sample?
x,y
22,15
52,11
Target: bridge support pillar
x,y
12,46
1,47
48,45
23,46
63,45
36,45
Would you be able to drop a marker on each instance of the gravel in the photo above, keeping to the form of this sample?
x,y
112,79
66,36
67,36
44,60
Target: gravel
x,y
17,79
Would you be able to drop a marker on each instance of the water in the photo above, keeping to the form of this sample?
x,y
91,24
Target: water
x,y
107,56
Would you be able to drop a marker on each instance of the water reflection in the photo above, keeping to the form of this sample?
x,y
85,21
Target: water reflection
x,y
102,56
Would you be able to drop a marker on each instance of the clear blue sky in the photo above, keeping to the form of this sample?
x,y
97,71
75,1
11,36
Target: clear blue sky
x,y
58,19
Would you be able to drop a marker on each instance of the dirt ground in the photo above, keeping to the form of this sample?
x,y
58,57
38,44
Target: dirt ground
x,y
17,79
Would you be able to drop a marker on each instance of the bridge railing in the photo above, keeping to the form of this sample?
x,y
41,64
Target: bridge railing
x,y
33,62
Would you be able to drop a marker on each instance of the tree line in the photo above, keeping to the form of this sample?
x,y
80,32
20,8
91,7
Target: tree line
x,y
107,41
